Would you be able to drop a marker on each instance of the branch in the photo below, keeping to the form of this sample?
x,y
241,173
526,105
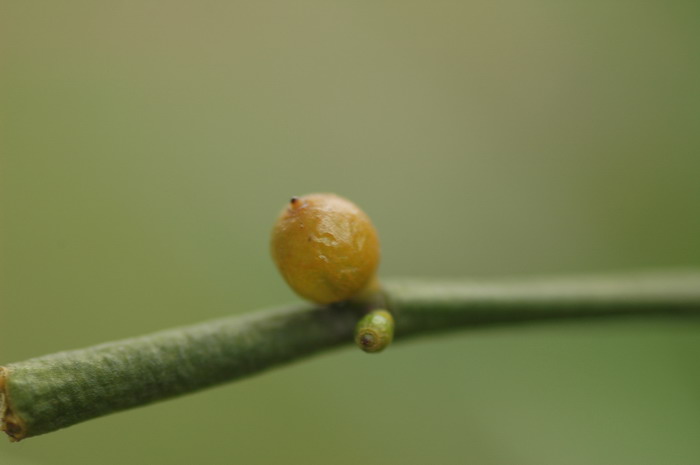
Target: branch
x,y
44,394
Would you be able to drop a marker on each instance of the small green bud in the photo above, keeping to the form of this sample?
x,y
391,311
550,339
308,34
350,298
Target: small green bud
x,y
375,331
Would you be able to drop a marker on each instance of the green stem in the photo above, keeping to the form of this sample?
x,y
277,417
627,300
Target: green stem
x,y
51,392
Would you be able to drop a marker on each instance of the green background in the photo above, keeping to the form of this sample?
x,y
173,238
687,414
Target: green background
x,y
147,146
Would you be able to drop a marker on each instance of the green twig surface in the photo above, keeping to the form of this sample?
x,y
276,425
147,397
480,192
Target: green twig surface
x,y
44,394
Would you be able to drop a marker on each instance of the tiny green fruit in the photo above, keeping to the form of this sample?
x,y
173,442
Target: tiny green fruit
x,y
325,247
375,331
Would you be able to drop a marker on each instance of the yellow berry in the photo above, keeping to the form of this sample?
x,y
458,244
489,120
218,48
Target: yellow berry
x,y
325,247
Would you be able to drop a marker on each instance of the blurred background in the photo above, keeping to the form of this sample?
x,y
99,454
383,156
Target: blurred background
x,y
147,147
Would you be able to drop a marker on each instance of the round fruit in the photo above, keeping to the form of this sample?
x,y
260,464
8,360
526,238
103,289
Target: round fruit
x,y
325,247
375,331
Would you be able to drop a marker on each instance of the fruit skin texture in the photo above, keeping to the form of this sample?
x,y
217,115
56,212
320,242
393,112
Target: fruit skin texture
x,y
325,247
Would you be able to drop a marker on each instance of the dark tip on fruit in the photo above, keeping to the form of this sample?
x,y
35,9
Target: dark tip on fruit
x,y
294,200
367,340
